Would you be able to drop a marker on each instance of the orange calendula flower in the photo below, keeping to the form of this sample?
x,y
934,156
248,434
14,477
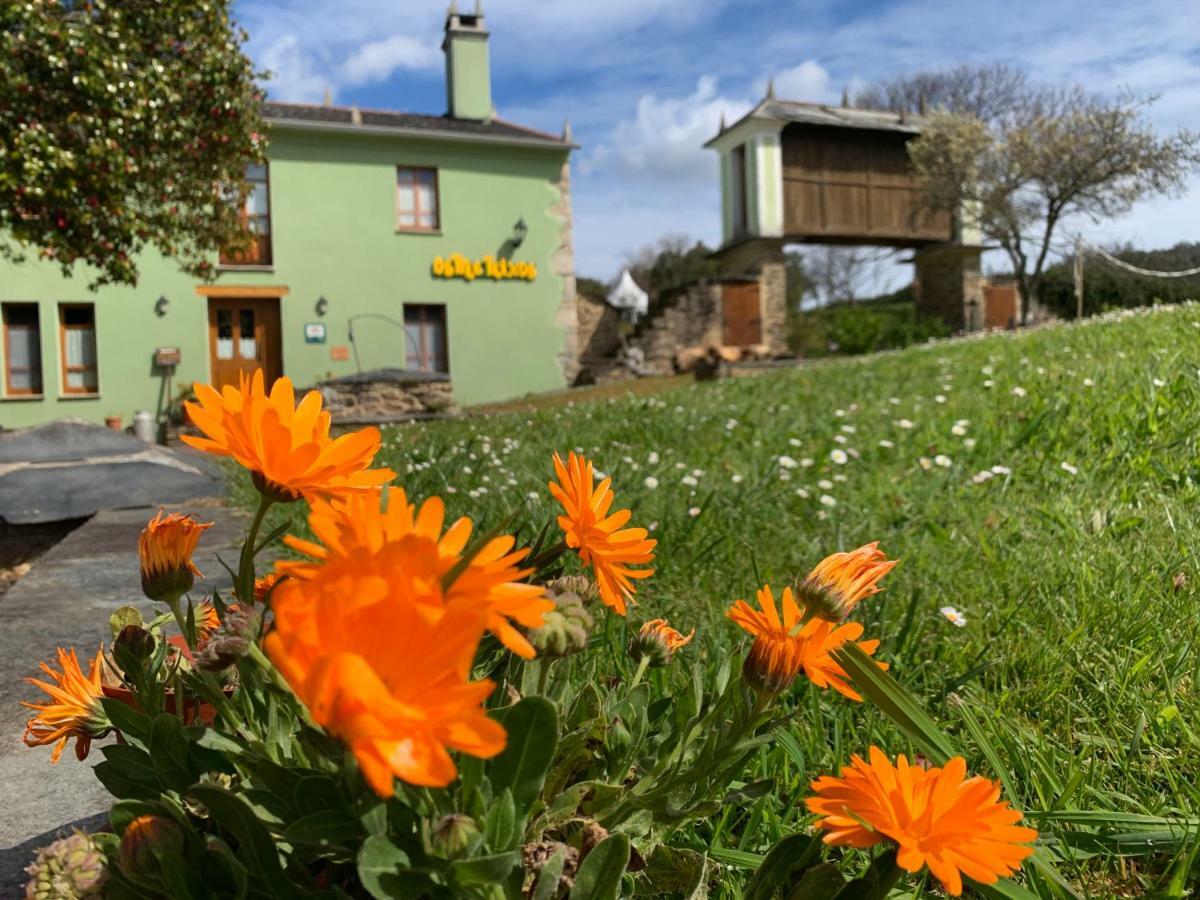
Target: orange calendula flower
x,y
381,671
490,581
786,645
837,583
207,620
936,817
165,549
263,586
286,447
602,540
74,709
659,641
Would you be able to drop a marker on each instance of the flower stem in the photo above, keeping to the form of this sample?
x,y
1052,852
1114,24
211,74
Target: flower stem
x,y
643,664
276,678
543,676
245,585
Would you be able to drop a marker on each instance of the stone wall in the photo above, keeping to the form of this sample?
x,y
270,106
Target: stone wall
x,y
386,395
599,331
948,284
772,293
563,265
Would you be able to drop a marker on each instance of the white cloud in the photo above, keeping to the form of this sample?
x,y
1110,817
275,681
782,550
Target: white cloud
x,y
293,73
378,60
665,137
808,81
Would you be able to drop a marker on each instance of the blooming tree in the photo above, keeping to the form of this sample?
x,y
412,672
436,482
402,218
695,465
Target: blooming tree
x,y
124,125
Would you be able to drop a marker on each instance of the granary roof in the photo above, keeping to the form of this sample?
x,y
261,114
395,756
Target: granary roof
x,y
772,110
368,121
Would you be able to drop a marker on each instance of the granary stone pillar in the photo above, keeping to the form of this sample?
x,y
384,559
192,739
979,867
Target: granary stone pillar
x,y
763,260
948,282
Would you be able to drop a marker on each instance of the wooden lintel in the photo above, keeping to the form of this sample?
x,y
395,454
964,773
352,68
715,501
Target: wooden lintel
x,y
243,290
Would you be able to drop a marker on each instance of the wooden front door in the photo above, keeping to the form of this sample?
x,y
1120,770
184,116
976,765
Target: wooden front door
x,y
243,335
741,315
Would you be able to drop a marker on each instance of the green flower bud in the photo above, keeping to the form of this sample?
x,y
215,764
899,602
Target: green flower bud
x,y
452,835
72,868
149,841
136,641
564,629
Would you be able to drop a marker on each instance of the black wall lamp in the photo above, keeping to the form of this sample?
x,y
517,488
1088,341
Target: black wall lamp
x,y
519,232
160,305
322,306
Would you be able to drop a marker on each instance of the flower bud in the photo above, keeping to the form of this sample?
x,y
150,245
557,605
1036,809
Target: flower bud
x,y
72,868
165,550
658,641
230,642
136,641
148,842
452,835
836,584
770,666
580,585
564,629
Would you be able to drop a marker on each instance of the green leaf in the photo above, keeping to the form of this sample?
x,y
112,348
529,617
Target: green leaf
x,y
383,869
500,825
532,726
134,725
818,883
741,858
896,703
599,877
484,869
326,828
224,874
169,752
791,855
255,847
546,886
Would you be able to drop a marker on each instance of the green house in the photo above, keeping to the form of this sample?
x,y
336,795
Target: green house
x,y
432,244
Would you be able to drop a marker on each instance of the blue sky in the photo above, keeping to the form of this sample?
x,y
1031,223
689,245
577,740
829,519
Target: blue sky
x,y
644,82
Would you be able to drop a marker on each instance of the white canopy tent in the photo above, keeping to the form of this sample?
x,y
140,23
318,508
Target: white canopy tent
x,y
628,296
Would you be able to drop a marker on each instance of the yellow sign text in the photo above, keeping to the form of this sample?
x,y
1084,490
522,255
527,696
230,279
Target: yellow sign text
x,y
458,266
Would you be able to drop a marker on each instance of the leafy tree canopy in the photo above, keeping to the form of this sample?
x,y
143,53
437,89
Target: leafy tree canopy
x,y
124,124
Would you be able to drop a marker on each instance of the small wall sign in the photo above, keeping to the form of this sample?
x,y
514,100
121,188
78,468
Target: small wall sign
x,y
166,356
458,266
314,333
339,353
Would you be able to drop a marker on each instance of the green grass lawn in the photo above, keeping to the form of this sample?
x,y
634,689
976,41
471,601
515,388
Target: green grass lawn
x,y
1044,484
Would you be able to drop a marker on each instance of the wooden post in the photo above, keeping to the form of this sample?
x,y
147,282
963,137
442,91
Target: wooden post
x,y
1078,277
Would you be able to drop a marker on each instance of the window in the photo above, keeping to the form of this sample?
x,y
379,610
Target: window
x,y
737,171
77,326
22,349
417,200
256,218
425,338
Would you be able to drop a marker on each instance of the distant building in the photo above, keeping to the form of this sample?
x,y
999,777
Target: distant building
x,y
436,243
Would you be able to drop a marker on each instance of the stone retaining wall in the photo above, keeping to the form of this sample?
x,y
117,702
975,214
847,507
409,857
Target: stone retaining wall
x,y
387,394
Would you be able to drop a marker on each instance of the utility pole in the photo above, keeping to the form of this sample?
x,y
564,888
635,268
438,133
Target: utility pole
x,y
1078,277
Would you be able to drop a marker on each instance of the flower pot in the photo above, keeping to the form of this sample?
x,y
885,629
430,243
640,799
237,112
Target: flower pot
x,y
194,710
113,423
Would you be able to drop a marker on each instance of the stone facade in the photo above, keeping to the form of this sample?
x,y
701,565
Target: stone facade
x,y
563,265
386,395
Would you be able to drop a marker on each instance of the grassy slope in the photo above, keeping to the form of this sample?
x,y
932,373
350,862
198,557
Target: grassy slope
x,y
1079,655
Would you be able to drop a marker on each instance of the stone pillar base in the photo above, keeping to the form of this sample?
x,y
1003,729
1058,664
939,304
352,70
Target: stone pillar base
x,y
948,284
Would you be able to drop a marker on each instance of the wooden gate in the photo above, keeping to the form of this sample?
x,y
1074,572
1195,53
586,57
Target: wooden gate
x,y
1000,308
741,314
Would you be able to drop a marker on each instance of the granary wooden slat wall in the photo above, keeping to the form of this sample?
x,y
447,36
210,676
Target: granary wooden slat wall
x,y
857,186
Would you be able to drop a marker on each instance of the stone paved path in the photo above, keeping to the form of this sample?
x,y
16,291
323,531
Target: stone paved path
x,y
65,600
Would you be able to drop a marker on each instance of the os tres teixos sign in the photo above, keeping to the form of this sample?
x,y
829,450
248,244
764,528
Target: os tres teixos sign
x,y
458,266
